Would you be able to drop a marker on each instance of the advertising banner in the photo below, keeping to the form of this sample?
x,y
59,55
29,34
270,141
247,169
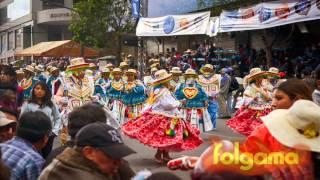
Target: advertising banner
x,y
269,14
174,25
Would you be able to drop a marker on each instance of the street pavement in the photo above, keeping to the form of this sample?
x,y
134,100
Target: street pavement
x,y
143,159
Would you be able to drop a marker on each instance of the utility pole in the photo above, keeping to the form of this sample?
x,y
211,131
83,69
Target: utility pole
x,y
141,42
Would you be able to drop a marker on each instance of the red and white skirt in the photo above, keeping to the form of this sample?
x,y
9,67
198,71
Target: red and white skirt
x,y
162,132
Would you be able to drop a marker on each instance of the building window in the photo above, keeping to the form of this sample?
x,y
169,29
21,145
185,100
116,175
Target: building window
x,y
18,39
3,43
52,4
11,40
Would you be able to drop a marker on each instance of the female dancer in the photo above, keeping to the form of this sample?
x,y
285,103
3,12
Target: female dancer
x,y
257,103
160,125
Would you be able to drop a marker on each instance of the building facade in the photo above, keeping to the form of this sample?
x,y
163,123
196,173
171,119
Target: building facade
x,y
24,23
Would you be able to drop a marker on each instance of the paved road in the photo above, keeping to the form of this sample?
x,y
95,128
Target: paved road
x,y
143,159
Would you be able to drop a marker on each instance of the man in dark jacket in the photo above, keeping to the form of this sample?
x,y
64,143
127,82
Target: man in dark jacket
x,y
80,117
97,154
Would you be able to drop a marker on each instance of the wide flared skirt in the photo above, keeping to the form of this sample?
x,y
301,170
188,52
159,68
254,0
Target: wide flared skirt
x,y
246,120
159,131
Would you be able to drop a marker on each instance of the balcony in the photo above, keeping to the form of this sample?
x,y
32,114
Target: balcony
x,y
58,16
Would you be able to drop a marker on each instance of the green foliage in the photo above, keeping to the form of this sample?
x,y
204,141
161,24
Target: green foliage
x,y
95,20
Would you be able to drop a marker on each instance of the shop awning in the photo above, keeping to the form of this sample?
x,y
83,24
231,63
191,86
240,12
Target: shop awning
x,y
67,48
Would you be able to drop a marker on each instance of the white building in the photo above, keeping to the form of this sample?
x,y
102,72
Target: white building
x,y
24,23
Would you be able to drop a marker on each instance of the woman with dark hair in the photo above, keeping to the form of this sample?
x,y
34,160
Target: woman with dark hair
x,y
41,101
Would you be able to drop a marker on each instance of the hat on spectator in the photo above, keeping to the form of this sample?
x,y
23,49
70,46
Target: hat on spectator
x,y
4,121
297,127
105,138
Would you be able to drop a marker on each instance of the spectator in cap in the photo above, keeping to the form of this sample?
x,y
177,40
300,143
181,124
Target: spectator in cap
x,y
20,154
80,117
8,125
97,154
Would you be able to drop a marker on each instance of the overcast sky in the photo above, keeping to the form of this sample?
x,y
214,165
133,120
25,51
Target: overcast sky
x,y
18,9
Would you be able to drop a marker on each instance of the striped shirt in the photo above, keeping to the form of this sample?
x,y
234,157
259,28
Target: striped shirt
x,y
22,159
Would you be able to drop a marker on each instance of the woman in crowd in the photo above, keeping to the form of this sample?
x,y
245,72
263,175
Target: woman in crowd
x,y
160,126
256,103
293,108
41,101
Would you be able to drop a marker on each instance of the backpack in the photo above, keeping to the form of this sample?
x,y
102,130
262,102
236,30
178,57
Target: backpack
x,y
234,85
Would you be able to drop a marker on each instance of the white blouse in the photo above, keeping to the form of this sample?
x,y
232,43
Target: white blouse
x,y
165,103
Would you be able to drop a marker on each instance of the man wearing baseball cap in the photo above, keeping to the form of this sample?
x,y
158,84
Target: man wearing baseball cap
x,y
97,154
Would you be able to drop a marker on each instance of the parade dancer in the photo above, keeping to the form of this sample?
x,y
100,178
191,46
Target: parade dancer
x,y
114,93
160,125
256,103
39,73
176,78
147,81
210,82
28,82
194,102
134,95
54,75
101,86
74,91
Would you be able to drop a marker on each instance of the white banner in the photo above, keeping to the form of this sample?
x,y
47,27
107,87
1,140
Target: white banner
x,y
213,26
270,14
174,25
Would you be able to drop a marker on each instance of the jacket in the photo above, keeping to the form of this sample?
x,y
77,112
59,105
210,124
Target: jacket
x,y
71,164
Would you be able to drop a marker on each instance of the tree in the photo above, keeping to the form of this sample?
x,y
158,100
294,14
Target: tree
x,y
101,23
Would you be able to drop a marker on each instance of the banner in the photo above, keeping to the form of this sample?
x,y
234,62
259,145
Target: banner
x,y
188,24
213,26
136,8
270,14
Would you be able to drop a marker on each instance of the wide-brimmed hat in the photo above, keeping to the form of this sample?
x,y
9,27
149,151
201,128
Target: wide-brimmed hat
x,y
53,69
297,127
105,70
116,71
207,69
273,72
29,68
33,64
109,65
176,70
131,71
92,65
190,73
48,68
154,65
153,69
19,71
123,64
77,64
161,76
256,73
39,68
129,56
105,138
